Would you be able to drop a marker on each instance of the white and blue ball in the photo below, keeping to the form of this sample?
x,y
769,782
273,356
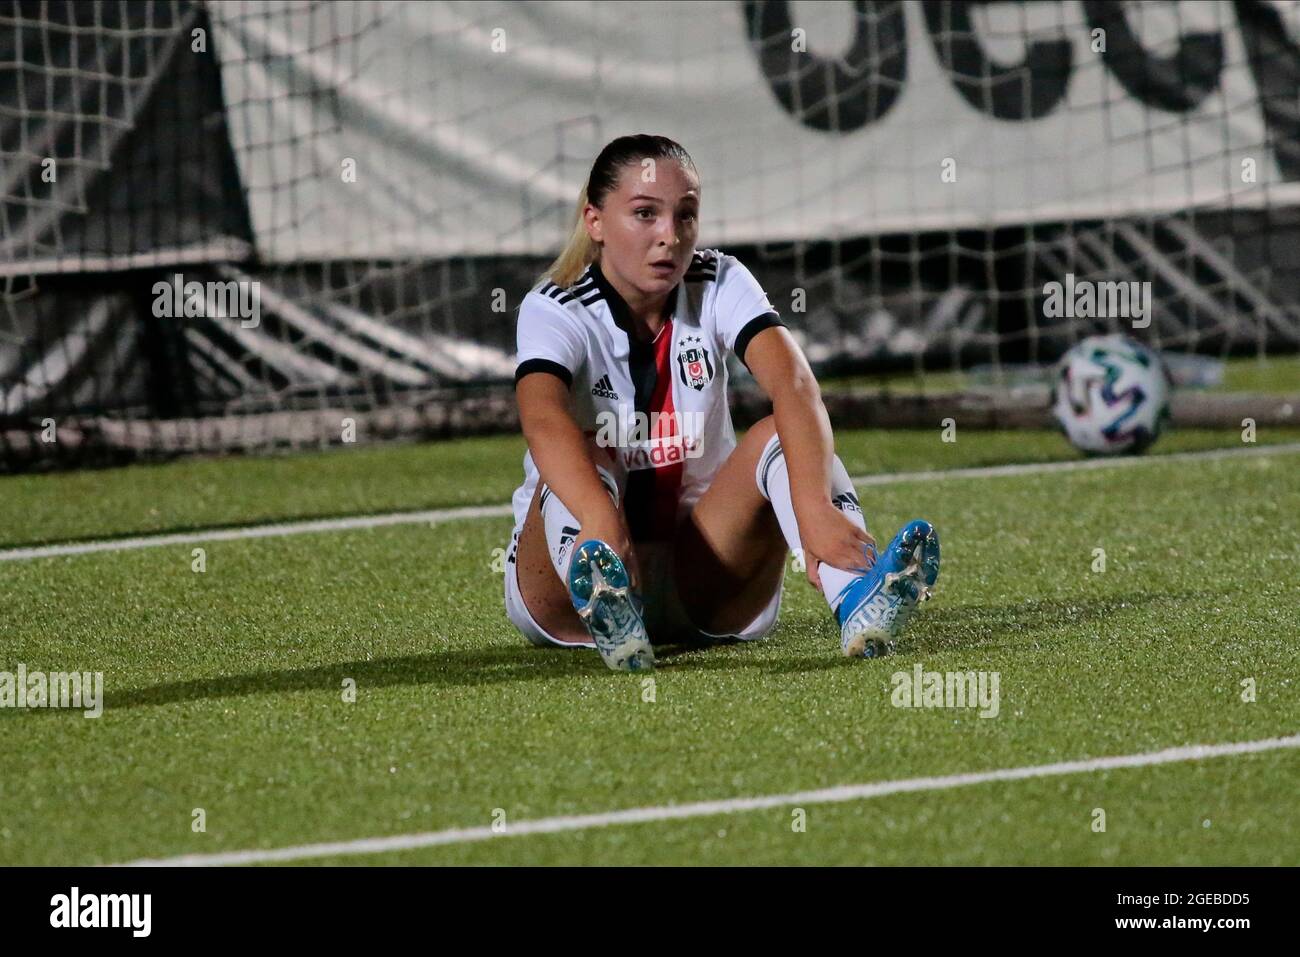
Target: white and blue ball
x,y
1111,395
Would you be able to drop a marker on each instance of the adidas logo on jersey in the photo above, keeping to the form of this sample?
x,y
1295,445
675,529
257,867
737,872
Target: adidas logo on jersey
x,y
604,389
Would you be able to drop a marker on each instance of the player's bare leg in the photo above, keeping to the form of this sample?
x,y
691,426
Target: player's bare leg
x,y
730,552
579,584
545,596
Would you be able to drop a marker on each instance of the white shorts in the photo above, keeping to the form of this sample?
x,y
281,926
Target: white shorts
x,y
664,614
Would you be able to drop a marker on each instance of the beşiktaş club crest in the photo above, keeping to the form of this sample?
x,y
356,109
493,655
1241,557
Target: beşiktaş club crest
x,y
693,363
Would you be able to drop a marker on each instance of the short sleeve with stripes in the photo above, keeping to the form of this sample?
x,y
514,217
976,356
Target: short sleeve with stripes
x,y
740,306
548,339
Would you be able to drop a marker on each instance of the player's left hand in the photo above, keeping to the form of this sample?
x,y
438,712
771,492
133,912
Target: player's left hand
x,y
828,536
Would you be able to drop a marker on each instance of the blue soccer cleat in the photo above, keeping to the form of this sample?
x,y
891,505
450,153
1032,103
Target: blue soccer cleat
x,y
603,597
876,606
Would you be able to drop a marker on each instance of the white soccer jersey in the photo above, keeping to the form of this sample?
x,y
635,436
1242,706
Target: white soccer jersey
x,y
658,409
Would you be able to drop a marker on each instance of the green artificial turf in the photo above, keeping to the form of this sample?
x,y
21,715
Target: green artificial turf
x,y
360,480
224,689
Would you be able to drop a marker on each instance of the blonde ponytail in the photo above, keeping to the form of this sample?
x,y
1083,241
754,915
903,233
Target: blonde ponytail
x,y
579,252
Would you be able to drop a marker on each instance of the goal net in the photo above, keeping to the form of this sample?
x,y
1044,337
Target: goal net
x,y
247,226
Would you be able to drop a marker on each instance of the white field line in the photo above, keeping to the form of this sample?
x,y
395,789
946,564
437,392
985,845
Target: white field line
x,y
274,530
432,516
1078,465
642,815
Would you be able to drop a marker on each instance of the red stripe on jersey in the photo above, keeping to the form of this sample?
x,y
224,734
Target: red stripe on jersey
x,y
667,478
652,493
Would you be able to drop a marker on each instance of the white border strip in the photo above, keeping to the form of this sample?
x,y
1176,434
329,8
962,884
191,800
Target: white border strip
x,y
851,792
499,511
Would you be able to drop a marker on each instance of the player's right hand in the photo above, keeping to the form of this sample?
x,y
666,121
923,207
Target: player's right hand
x,y
610,526
828,536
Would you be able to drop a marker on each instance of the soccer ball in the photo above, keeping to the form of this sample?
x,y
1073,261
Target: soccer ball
x,y
1110,395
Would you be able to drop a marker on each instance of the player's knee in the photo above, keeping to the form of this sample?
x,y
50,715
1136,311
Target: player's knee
x,y
762,430
766,452
840,479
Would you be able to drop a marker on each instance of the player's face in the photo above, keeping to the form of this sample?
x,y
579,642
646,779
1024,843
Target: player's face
x,y
648,226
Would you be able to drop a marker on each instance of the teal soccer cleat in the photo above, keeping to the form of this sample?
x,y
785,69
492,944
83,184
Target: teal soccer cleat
x,y
876,606
603,597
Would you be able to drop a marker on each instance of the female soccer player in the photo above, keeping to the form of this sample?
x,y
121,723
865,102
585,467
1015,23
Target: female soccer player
x,y
640,514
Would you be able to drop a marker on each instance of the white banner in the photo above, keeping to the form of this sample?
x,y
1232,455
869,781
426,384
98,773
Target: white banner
x,y
393,130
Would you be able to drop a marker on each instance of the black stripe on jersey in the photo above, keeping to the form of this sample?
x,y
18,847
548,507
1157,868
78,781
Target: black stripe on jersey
x,y
582,288
618,307
565,296
641,365
641,483
641,368
752,328
702,268
637,506
529,366
639,498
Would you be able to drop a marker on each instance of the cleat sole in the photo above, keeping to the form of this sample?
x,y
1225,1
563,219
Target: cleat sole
x,y
605,602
